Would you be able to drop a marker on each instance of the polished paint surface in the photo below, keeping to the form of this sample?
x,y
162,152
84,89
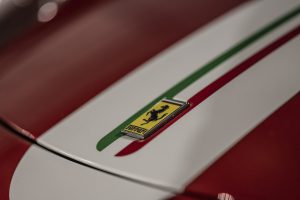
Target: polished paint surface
x,y
54,70
77,135
66,64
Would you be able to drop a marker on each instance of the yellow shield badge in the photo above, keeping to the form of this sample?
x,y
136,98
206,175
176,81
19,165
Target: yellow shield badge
x,y
150,121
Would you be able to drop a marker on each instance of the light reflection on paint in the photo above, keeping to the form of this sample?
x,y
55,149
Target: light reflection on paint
x,y
47,12
225,196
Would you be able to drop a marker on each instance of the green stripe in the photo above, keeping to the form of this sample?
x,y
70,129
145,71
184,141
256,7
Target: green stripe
x,y
116,133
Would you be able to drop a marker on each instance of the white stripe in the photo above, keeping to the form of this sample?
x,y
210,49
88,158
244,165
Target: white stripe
x,y
174,158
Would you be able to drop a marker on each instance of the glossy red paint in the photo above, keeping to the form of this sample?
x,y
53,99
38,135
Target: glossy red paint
x,y
263,165
50,72
216,85
12,149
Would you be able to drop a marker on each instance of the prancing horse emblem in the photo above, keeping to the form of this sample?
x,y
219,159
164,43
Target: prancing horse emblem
x,y
154,118
154,114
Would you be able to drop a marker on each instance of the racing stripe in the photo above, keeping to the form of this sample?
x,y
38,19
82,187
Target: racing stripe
x,y
205,133
219,83
116,133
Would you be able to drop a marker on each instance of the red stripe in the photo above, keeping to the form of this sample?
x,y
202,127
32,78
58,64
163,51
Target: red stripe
x,y
51,72
216,85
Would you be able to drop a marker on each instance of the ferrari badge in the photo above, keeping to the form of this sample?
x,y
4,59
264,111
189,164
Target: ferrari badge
x,y
157,116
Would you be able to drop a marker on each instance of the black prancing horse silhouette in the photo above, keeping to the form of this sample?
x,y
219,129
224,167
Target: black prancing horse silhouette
x,y
154,114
